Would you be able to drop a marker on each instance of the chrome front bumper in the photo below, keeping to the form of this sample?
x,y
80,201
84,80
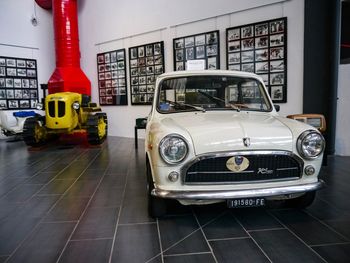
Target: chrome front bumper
x,y
221,195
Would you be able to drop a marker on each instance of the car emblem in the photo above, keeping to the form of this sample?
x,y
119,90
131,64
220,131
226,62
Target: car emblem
x,y
246,141
239,160
237,164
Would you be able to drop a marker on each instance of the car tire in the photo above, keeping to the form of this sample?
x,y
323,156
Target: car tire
x,y
302,201
156,206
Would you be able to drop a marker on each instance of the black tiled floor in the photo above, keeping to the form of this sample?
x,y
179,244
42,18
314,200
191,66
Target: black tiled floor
x,y
72,203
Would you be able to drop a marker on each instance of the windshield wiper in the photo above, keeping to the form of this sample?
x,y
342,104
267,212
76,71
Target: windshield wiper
x,y
186,105
220,100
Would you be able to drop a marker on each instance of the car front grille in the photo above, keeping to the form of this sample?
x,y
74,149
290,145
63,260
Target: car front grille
x,y
61,105
262,167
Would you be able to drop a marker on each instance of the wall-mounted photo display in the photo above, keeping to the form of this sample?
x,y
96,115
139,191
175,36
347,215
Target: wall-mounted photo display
x,y
112,85
204,46
261,48
18,83
146,62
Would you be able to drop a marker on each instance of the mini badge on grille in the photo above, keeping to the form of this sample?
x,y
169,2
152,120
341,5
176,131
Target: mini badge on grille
x,y
246,141
237,164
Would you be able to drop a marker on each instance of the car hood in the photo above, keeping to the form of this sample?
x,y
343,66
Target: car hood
x,y
225,131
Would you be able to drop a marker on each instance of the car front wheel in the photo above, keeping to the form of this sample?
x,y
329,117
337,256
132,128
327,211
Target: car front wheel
x,y
302,201
156,206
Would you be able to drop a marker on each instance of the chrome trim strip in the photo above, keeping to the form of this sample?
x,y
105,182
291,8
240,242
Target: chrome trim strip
x,y
201,157
230,194
222,172
286,169
246,182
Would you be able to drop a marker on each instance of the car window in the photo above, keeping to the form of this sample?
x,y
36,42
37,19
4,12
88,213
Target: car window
x,y
211,93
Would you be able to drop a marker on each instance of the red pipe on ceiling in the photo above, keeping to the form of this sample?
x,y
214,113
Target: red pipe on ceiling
x,y
68,75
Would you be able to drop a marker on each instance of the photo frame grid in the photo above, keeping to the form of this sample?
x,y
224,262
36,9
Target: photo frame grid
x,y
18,83
112,84
202,46
146,62
261,48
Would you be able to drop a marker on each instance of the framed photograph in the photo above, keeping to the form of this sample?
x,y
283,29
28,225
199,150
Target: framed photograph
x,y
277,65
277,40
17,83
13,104
200,40
261,54
3,104
11,72
200,52
277,93
21,63
233,34
11,62
179,43
112,77
212,50
212,64
261,48
247,67
261,29
21,72
203,46
9,83
234,58
145,67
234,46
247,56
2,71
247,31
276,53
247,44
31,64
189,41
262,42
2,94
211,38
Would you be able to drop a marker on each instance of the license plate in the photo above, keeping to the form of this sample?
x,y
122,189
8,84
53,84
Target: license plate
x,y
245,202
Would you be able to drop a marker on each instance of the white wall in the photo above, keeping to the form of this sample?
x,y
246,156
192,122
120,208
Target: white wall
x,y
19,38
342,137
122,20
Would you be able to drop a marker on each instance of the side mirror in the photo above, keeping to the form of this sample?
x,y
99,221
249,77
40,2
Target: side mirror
x,y
277,107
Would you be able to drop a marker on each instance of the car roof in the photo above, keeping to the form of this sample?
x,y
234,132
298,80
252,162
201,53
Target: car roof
x,y
210,72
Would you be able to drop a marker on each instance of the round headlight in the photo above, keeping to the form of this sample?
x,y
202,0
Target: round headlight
x,y
76,105
39,106
310,144
173,149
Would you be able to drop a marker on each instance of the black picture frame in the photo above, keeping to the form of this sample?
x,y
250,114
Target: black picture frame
x,y
261,48
200,46
19,88
146,63
111,75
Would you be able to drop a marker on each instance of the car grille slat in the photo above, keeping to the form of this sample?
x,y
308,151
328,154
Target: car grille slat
x,y
214,170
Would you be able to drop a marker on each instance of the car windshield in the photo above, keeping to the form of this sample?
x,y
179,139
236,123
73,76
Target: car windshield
x,y
202,93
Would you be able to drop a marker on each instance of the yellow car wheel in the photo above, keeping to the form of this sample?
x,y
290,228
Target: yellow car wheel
x,y
34,131
97,128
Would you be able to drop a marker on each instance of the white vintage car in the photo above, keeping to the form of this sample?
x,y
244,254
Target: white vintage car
x,y
215,136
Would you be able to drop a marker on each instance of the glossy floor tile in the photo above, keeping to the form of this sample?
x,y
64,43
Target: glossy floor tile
x,y
74,203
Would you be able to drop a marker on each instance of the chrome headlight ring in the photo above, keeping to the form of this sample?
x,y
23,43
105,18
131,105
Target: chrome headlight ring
x,y
310,144
76,105
173,148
